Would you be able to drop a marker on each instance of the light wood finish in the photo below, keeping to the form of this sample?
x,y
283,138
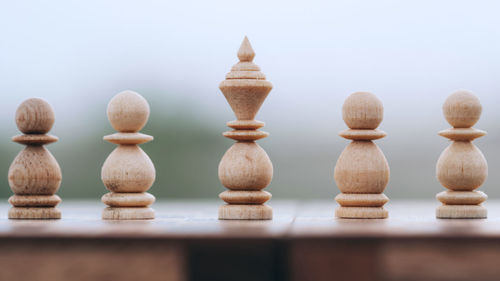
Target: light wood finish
x,y
34,139
116,199
462,167
362,110
362,171
245,166
361,200
34,213
128,172
128,213
361,212
245,212
451,197
245,196
35,116
34,175
461,212
128,112
30,200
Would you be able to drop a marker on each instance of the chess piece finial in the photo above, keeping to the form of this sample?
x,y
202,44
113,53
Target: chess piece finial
x,y
246,52
128,172
245,169
462,168
35,175
362,171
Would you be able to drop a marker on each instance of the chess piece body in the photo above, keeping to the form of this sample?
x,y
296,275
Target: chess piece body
x,y
128,172
245,169
462,168
34,175
362,171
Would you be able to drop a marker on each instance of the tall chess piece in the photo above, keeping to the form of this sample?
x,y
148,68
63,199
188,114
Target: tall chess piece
x,y
245,169
462,168
34,176
362,172
128,172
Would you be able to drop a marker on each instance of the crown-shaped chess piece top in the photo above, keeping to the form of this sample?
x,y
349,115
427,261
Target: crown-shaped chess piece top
x,y
128,172
362,171
245,169
35,175
462,168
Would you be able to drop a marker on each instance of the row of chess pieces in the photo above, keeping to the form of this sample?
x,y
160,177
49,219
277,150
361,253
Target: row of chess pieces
x,y
361,172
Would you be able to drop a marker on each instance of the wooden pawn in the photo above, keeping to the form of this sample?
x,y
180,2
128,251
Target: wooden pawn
x,y
362,171
461,167
128,172
35,175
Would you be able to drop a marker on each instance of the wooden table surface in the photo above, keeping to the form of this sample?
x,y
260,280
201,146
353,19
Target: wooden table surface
x,y
303,242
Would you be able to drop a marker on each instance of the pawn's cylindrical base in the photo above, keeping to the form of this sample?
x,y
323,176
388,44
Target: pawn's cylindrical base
x,y
361,212
245,212
130,213
461,212
34,213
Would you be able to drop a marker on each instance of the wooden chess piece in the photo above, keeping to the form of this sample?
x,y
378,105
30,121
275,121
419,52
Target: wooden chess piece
x,y
128,172
462,168
35,175
362,172
245,169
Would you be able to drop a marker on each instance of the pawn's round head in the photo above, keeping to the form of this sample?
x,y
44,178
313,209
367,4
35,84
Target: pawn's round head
x,y
128,112
462,109
35,116
362,110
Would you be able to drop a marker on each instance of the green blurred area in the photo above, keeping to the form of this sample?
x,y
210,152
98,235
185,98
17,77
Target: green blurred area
x,y
188,146
185,153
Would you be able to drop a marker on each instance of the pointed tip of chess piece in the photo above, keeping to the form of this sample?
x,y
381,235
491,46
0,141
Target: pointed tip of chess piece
x,y
35,116
128,112
245,76
363,110
246,52
462,109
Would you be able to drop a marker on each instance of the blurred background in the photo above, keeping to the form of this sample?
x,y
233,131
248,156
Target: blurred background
x,y
412,54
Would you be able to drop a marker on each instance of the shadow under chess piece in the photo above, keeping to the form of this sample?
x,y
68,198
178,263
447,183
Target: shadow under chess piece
x,y
35,175
245,169
362,171
128,172
462,168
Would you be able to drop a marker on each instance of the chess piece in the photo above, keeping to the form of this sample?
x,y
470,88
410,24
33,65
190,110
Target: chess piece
x,y
362,172
128,172
245,169
462,168
34,176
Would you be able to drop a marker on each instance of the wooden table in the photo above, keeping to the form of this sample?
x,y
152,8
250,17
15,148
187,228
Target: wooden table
x,y
303,242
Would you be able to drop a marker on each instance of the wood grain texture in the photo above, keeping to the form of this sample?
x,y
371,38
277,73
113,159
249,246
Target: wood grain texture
x,y
96,260
117,199
303,242
34,175
245,196
362,167
34,200
35,116
128,172
245,166
461,167
245,212
196,219
292,219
